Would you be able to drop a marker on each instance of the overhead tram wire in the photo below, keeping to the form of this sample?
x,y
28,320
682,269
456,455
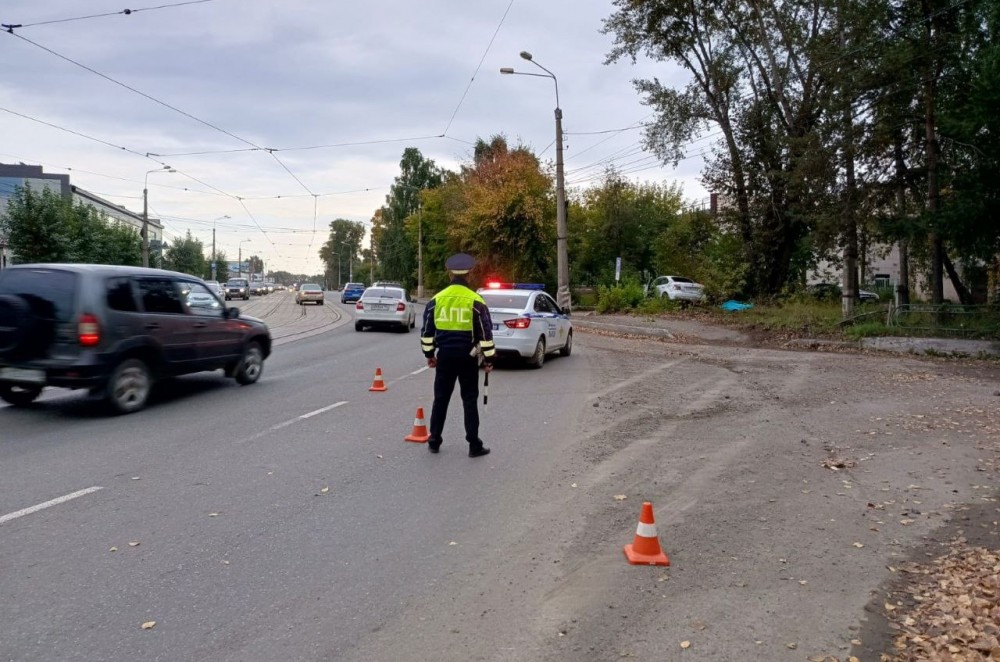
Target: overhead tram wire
x,y
159,102
299,149
123,12
478,67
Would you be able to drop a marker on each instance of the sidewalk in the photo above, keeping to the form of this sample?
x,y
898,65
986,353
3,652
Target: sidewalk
x,y
685,330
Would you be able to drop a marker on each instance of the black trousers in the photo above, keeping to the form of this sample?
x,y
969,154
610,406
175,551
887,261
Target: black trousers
x,y
465,369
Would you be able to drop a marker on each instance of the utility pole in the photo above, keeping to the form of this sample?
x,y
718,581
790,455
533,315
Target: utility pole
x,y
420,252
214,260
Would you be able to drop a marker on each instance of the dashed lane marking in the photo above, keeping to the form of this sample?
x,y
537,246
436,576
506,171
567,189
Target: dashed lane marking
x,y
48,504
323,409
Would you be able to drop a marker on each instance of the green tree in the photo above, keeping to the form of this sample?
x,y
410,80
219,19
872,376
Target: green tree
x,y
396,251
37,227
186,256
341,250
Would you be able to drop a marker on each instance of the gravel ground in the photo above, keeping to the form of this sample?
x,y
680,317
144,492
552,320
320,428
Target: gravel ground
x,y
817,505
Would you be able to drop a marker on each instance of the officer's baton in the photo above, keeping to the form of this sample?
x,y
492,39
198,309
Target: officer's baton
x,y
486,392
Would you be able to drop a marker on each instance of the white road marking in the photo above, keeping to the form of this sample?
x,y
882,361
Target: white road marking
x,y
48,504
417,372
327,408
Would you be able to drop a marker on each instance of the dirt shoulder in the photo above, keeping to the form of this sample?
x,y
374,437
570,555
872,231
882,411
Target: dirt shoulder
x,y
918,437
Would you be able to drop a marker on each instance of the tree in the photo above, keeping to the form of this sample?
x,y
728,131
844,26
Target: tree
x,y
186,256
341,250
36,226
397,252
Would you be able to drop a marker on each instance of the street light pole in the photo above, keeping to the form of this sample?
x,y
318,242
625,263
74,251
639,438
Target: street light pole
x,y
562,259
215,257
145,213
240,264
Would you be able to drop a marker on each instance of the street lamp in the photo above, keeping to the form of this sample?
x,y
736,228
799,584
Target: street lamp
x,y
145,213
214,255
562,261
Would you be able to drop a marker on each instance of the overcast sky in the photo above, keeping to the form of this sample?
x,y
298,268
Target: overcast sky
x,y
235,78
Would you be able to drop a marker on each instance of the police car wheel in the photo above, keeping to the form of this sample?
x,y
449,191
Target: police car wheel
x,y
568,347
537,359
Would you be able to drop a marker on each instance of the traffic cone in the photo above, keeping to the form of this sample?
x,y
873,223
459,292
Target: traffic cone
x,y
420,433
378,384
645,548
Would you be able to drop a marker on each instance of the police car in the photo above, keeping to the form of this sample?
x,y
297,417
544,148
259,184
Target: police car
x,y
527,322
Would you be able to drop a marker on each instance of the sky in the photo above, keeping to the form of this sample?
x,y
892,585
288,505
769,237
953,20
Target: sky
x,y
279,116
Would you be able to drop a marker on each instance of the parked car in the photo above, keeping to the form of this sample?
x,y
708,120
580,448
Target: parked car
x,y
676,288
237,288
824,291
116,331
527,322
351,292
309,292
385,307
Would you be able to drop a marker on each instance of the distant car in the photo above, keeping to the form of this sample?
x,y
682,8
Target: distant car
x,y
385,307
237,288
527,322
825,291
386,283
309,292
351,292
117,330
676,288
216,287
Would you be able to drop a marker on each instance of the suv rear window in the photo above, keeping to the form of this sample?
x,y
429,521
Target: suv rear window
x,y
51,292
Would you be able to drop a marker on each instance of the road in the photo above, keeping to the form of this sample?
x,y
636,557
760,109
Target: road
x,y
289,520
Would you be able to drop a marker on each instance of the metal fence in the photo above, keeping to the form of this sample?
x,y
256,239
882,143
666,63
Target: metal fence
x,y
946,319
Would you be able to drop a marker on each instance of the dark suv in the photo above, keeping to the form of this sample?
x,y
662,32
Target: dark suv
x,y
116,330
237,288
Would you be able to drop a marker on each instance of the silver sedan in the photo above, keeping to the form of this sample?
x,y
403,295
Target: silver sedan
x,y
389,307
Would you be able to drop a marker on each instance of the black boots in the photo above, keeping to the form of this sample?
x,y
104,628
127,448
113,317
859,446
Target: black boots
x,y
476,449
434,445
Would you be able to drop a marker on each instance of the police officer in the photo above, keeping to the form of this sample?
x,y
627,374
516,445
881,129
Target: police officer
x,y
457,327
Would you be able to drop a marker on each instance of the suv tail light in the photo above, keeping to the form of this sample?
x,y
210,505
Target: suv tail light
x,y
400,307
88,330
359,305
518,323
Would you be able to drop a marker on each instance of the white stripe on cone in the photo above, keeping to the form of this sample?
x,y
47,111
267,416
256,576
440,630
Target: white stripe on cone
x,y
646,530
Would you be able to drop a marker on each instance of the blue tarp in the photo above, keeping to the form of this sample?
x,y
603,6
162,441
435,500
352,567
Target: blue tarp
x,y
734,306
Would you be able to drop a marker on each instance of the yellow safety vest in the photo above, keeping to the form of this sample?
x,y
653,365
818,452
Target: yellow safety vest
x,y
453,308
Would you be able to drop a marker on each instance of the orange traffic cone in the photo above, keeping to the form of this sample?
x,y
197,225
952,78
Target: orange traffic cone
x,y
378,384
645,548
420,433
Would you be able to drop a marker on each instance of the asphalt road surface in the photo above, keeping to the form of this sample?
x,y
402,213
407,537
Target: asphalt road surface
x,y
288,520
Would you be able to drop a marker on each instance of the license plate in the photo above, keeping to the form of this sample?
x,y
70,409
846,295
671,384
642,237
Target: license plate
x,y
496,327
380,306
23,375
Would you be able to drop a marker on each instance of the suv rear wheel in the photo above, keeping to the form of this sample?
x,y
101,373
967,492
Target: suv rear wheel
x,y
129,386
251,364
19,396
16,323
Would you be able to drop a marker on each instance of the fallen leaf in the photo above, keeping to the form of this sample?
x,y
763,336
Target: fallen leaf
x,y
858,545
853,659
225,562
573,485
889,607
135,478
620,497
213,514
792,645
453,543
324,490
134,543
685,644
113,549
803,582
148,625
379,456
855,642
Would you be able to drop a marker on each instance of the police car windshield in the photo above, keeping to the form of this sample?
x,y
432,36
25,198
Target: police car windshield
x,y
497,300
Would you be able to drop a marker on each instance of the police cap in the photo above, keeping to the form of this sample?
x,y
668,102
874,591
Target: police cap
x,y
460,263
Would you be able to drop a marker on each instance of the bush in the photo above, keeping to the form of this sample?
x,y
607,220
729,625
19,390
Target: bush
x,y
624,296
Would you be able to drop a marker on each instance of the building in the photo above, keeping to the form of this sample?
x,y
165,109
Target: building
x,y
14,175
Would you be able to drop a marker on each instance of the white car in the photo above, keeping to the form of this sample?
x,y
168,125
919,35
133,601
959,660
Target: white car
x,y
216,287
527,322
385,307
676,288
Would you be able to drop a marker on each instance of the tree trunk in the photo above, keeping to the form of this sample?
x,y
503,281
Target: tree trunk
x,y
930,134
964,296
903,286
